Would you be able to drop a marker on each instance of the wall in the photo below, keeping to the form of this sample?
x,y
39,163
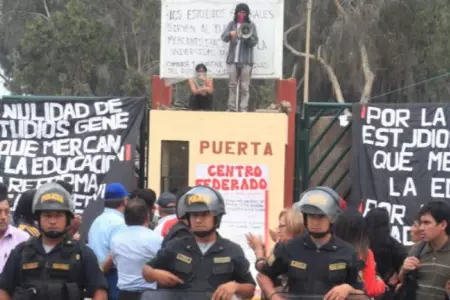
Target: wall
x,y
262,139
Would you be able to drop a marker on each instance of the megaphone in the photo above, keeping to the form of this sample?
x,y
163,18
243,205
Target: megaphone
x,y
245,31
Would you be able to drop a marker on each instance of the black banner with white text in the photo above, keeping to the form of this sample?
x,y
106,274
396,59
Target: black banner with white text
x,y
84,141
400,159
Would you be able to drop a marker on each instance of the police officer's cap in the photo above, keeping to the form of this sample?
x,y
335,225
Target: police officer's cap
x,y
201,199
52,197
319,200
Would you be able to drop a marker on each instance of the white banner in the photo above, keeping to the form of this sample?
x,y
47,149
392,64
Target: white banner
x,y
191,34
245,191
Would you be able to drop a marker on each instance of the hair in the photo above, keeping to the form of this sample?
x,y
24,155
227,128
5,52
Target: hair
x,y
148,195
439,210
3,192
24,207
350,227
114,203
244,7
136,212
294,221
379,229
201,66
67,186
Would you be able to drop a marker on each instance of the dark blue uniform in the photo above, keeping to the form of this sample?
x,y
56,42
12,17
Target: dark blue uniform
x,y
63,273
312,270
223,262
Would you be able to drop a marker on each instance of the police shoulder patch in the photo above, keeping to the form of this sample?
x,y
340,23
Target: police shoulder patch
x,y
338,266
184,258
222,260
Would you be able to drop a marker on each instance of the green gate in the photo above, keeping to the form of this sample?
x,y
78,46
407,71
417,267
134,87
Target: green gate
x,y
322,148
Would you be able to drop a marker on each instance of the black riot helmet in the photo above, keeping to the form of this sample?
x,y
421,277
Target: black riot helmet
x,y
53,197
202,199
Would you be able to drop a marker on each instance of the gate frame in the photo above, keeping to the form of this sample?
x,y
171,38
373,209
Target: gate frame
x,y
304,122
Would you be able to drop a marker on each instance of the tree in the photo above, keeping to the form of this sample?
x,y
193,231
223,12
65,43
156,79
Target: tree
x,y
64,53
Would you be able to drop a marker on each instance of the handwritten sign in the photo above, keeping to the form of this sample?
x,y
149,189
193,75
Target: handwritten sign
x,y
245,191
191,34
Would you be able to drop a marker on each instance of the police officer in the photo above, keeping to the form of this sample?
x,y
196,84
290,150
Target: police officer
x,y
203,261
52,266
181,227
317,263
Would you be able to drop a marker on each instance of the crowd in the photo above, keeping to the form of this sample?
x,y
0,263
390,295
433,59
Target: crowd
x,y
144,244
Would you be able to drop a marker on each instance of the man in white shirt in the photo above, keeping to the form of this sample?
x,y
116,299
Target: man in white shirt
x,y
167,203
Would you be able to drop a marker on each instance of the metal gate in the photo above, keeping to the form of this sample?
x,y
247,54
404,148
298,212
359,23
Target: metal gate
x,y
322,148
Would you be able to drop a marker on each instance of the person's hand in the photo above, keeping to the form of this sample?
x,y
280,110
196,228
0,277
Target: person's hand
x,y
76,236
167,279
339,292
394,279
411,263
233,34
225,291
254,241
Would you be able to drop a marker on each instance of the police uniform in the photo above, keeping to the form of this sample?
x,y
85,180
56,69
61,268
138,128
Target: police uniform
x,y
312,270
179,229
223,262
64,273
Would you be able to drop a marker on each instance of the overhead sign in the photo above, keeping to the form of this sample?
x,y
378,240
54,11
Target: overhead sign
x,y
191,34
401,159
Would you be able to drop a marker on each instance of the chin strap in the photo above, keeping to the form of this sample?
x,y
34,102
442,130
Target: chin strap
x,y
202,234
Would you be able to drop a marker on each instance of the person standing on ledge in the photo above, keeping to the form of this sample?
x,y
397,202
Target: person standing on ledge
x,y
242,35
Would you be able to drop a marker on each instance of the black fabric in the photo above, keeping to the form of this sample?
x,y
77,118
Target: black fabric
x,y
125,295
89,142
179,229
399,159
200,102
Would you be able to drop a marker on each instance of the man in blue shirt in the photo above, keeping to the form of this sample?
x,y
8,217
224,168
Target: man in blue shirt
x,y
105,227
132,248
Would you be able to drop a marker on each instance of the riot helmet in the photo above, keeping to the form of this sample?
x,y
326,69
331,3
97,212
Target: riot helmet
x,y
53,197
322,201
202,199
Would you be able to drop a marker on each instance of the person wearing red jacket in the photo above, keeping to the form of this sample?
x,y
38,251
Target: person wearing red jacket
x,y
350,227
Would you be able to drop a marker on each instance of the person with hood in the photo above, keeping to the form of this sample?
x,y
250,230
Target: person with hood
x,y
240,56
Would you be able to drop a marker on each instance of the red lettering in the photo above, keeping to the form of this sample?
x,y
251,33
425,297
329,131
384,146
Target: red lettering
x,y
211,170
203,146
257,172
248,171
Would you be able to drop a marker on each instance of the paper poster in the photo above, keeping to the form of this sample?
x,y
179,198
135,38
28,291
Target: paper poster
x,y
245,191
